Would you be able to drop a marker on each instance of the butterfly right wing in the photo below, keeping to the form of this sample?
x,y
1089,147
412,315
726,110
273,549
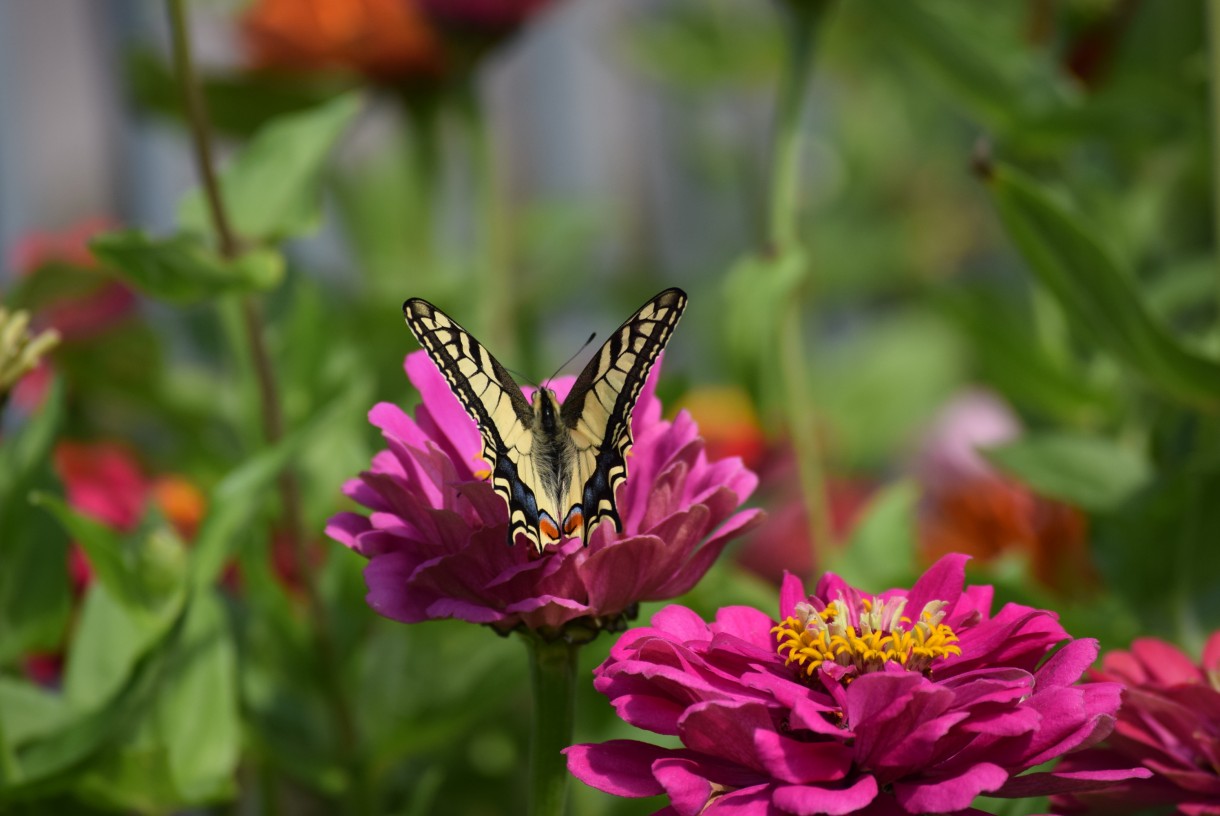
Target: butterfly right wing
x,y
495,402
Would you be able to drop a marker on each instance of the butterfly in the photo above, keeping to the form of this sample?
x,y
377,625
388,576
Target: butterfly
x,y
556,465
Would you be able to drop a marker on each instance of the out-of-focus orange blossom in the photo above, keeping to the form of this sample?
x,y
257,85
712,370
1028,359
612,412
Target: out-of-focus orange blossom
x,y
969,508
386,40
727,422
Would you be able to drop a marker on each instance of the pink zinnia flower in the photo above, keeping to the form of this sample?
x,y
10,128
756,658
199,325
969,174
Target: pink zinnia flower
x,y
1169,723
904,702
435,532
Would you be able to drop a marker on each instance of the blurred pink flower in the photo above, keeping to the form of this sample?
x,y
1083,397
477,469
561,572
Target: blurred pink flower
x,y
1169,724
73,295
847,706
104,480
435,531
949,455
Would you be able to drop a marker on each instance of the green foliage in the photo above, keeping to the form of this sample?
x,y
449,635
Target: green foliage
x,y
271,188
212,663
182,269
1096,294
1088,471
34,602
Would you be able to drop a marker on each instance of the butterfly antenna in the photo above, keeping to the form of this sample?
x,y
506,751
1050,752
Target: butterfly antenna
x,y
520,377
583,346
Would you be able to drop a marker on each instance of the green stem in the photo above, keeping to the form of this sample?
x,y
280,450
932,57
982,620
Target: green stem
x,y
422,113
553,679
783,235
498,305
1213,49
271,407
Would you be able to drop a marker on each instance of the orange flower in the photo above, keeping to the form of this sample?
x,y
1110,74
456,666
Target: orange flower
x,y
990,518
386,40
727,422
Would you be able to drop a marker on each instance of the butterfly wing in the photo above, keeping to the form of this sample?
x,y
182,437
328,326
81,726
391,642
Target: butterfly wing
x,y
495,402
598,409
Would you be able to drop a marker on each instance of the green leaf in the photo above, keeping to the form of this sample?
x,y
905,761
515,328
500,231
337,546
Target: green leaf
x,y
196,710
240,494
145,570
271,189
34,591
182,269
48,763
1087,471
881,552
237,104
1097,296
1012,359
109,641
28,712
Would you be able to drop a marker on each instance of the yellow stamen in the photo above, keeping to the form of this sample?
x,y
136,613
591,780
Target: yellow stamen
x,y
883,635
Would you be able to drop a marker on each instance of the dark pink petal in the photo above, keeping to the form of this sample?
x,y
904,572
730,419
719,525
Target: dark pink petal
x,y
726,729
345,527
1211,655
687,789
799,762
1164,662
755,801
1058,782
620,767
791,592
946,795
807,800
1068,664
943,581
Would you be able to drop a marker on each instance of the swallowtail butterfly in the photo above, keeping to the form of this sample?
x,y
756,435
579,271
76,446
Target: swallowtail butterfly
x,y
556,465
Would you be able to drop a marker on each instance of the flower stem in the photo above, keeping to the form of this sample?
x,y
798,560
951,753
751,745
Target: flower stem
x,y
498,306
270,405
783,229
553,679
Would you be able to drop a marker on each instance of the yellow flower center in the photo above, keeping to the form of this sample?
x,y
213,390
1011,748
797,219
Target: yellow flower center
x,y
882,635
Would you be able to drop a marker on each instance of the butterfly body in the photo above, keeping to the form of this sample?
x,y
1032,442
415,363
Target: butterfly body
x,y
557,465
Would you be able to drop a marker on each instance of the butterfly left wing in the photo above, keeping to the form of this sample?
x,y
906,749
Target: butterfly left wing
x,y
597,411
495,402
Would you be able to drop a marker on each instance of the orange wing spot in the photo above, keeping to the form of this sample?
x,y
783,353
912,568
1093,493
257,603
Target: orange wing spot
x,y
482,473
547,527
574,521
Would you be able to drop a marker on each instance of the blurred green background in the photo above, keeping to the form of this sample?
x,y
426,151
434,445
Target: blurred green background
x,y
1004,235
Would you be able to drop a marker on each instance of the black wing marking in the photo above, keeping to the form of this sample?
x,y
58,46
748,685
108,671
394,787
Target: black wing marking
x,y
598,409
493,400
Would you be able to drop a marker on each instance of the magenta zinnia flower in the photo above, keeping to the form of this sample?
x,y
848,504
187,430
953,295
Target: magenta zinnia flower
x,y
1169,723
435,534
904,702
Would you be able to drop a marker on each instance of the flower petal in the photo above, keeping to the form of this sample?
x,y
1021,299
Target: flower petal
x,y
946,795
807,800
620,767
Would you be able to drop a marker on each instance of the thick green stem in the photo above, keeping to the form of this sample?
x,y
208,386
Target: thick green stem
x,y
783,234
270,405
422,111
495,266
1213,49
553,679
